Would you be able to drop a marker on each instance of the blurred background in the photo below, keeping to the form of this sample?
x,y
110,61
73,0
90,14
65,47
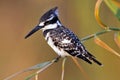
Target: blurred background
x,y
18,17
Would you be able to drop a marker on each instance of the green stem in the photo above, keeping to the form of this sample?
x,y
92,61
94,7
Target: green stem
x,y
93,35
100,33
114,29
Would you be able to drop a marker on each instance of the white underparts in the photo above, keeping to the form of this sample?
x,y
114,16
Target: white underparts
x,y
59,51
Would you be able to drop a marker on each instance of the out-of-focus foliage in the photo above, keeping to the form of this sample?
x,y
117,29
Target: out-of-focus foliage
x,y
41,66
114,7
117,38
115,10
105,46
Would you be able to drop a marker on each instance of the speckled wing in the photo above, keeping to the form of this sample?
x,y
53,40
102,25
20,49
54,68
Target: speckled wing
x,y
69,42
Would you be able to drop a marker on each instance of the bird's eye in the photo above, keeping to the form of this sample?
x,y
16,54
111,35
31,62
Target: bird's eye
x,y
47,22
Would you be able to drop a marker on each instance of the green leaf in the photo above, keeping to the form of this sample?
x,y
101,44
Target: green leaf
x,y
38,66
30,76
41,67
113,7
35,67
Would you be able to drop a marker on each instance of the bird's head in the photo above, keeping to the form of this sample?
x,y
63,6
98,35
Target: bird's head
x,y
48,21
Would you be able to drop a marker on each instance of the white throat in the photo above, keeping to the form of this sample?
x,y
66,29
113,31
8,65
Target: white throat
x,y
50,26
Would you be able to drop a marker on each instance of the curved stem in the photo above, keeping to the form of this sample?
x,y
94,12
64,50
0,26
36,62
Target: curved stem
x,y
97,16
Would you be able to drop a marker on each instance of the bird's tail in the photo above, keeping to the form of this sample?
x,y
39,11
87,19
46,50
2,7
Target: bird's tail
x,y
89,58
94,59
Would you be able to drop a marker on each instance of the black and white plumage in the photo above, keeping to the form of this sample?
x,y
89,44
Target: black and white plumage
x,y
62,40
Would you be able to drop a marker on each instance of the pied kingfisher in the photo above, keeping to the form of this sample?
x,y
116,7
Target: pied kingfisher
x,y
62,40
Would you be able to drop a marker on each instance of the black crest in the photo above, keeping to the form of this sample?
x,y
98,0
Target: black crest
x,y
51,13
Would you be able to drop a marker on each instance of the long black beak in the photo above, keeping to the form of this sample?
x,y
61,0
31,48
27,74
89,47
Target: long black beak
x,y
33,31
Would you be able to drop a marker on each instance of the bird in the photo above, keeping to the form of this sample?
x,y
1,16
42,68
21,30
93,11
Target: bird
x,y
61,39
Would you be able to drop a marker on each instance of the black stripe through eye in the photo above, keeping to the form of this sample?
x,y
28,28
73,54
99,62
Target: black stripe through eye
x,y
47,22
54,20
